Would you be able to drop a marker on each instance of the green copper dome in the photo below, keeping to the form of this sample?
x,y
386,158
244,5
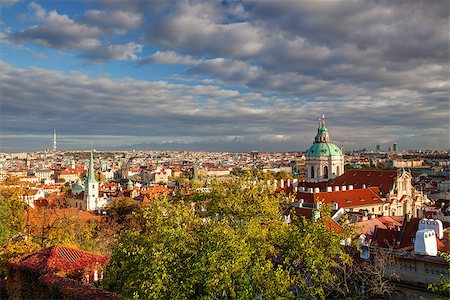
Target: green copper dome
x,y
322,145
323,149
78,188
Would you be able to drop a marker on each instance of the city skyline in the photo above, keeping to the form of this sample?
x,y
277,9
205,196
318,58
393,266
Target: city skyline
x,y
230,76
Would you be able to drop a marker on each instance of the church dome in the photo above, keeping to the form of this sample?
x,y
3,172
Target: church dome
x,y
323,149
77,189
322,145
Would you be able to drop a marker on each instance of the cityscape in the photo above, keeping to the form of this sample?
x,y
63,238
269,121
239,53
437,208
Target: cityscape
x,y
224,150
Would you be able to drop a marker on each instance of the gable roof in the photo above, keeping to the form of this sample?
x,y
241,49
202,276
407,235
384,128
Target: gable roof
x,y
370,178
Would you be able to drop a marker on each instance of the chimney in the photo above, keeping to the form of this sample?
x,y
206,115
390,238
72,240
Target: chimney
x,y
311,190
344,188
282,183
288,183
329,189
295,188
402,230
372,216
350,187
374,235
336,188
407,217
363,186
316,190
300,203
335,206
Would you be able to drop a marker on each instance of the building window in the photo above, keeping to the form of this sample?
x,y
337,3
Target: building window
x,y
312,171
337,171
373,209
325,172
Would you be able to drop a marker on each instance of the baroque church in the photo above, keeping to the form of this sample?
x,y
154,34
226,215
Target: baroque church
x,y
380,192
324,160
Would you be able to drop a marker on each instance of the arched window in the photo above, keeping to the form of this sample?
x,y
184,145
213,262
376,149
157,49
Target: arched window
x,y
312,171
337,171
325,172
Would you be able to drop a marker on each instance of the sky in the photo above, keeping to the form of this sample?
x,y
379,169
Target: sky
x,y
223,75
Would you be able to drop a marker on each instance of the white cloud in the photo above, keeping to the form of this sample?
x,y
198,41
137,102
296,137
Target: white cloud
x,y
169,58
210,116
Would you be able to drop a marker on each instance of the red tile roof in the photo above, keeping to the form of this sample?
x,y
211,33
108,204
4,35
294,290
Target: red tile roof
x,y
348,198
59,258
386,238
409,232
379,178
367,227
389,238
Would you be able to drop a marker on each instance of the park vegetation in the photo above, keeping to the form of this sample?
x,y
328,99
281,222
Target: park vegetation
x,y
226,240
230,241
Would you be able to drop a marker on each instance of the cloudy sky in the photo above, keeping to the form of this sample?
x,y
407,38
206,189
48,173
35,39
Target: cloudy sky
x,y
230,76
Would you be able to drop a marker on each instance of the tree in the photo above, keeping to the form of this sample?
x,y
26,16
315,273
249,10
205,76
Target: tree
x,y
12,210
180,255
121,209
228,241
14,238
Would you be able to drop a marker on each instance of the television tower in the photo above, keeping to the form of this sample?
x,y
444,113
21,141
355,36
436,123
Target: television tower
x,y
54,140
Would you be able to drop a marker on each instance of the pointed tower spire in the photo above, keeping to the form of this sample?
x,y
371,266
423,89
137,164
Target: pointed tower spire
x,y
91,174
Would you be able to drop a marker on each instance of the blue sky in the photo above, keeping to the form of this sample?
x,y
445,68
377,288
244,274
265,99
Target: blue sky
x,y
230,76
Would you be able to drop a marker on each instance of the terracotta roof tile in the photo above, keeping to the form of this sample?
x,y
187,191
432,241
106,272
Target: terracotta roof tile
x,y
348,198
379,178
59,258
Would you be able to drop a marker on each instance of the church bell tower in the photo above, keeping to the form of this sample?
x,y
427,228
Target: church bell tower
x,y
91,187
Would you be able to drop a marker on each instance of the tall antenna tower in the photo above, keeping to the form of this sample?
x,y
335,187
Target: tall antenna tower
x,y
54,140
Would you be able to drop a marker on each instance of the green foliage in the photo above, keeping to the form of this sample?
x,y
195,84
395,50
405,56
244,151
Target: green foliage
x,y
120,211
13,248
12,210
5,231
181,255
228,241
441,288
